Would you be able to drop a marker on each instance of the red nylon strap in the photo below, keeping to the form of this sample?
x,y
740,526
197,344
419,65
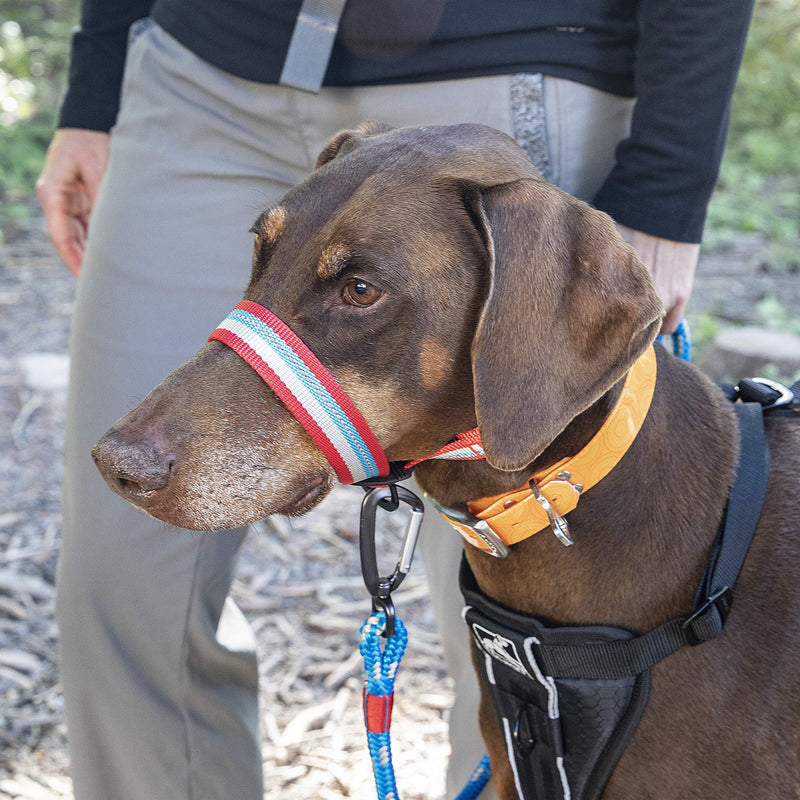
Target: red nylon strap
x,y
462,440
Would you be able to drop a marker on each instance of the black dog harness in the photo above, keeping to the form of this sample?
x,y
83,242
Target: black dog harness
x,y
569,698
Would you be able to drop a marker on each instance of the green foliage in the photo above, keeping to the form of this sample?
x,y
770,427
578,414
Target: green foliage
x,y
21,151
773,315
34,54
759,185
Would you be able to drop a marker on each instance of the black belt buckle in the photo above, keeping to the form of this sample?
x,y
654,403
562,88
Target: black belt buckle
x,y
722,600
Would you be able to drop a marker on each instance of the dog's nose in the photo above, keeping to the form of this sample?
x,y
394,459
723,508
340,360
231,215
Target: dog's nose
x,y
136,470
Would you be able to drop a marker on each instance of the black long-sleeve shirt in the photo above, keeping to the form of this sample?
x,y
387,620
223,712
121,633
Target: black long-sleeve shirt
x,y
679,58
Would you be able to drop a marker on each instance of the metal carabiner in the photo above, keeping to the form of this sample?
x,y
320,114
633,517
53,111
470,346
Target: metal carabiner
x,y
380,588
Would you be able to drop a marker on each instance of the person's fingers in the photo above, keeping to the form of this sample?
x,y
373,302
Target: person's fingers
x,y
67,187
66,215
672,267
673,317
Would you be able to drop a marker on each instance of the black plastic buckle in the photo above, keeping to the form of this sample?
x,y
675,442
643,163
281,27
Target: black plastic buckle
x,y
769,394
722,600
397,473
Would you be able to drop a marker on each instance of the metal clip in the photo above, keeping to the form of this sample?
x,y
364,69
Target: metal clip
x,y
380,588
461,514
557,522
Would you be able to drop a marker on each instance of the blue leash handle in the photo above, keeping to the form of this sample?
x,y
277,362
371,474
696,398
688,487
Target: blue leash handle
x,y
380,670
681,341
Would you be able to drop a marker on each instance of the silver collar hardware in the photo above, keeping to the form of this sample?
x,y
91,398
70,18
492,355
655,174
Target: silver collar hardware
x,y
558,524
565,476
497,547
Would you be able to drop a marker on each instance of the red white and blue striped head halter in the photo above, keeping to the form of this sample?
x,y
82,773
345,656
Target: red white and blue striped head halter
x,y
306,388
321,406
314,397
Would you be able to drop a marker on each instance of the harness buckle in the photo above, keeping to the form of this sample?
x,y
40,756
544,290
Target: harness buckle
x,y
722,600
381,588
558,524
764,392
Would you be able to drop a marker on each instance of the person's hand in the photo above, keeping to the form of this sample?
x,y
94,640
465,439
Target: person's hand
x,y
67,187
672,266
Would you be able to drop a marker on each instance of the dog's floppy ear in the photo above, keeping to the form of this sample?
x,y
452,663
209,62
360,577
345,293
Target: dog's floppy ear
x,y
344,141
570,308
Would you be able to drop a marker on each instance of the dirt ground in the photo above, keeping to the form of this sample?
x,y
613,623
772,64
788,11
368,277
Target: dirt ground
x,y
305,605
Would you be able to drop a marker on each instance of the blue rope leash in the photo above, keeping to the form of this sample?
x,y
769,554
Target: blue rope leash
x,y
477,781
681,341
380,670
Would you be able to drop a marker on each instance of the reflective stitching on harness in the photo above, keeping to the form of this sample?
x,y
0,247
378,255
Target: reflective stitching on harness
x,y
512,759
490,669
563,774
552,705
548,683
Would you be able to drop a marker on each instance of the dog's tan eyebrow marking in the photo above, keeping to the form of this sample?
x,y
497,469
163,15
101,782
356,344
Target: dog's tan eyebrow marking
x,y
332,261
270,225
434,362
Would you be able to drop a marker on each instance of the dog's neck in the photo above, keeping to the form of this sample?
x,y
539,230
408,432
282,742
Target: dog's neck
x,y
642,535
456,482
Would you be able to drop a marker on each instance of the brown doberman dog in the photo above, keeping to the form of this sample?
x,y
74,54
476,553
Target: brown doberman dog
x,y
445,285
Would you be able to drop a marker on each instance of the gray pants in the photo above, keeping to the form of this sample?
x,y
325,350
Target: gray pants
x,y
158,665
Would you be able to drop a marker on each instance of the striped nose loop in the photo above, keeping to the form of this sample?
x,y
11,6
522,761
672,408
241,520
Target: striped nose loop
x,y
306,388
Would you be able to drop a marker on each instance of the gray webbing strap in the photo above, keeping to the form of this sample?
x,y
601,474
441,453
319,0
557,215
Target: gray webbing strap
x,y
311,44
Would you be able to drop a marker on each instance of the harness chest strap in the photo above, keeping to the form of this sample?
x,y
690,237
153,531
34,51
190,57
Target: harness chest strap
x,y
519,514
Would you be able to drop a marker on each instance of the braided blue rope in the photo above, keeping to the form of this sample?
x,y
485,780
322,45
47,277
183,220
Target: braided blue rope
x,y
477,781
681,341
380,671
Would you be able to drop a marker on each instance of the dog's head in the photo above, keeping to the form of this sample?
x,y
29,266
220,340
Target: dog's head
x,y
442,282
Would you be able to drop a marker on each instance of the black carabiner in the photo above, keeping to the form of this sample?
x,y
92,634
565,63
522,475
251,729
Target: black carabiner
x,y
380,588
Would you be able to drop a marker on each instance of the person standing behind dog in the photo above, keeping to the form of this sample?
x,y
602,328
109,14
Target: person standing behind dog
x,y
158,664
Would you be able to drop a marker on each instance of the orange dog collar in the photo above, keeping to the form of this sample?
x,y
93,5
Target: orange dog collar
x,y
493,523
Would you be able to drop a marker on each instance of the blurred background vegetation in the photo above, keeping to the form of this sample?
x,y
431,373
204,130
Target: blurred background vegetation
x,y
759,185
34,56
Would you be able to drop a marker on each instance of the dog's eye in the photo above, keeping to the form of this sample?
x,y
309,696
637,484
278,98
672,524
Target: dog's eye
x,y
360,293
